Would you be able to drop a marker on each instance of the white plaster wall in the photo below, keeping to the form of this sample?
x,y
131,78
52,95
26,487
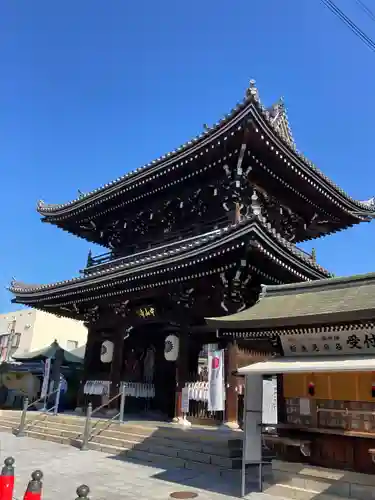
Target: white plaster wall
x,y
48,327
25,321
39,329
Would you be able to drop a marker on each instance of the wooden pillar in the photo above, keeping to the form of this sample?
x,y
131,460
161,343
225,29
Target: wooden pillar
x,y
116,365
231,400
87,364
182,371
281,407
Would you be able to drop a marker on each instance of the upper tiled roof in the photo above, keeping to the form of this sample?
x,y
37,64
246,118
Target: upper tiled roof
x,y
274,118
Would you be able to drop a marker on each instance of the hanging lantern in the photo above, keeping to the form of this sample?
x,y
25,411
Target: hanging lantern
x,y
171,347
106,352
311,389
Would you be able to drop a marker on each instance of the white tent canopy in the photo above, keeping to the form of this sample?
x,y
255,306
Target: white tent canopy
x,y
309,364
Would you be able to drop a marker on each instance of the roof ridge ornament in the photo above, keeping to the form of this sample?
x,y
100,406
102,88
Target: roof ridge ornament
x,y
256,207
252,90
370,202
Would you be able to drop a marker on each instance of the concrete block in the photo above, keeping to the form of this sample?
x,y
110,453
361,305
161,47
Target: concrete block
x,y
194,456
164,450
225,462
159,460
202,468
361,492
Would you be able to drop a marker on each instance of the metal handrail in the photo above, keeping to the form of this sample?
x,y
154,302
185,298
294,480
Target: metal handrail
x,y
106,404
39,399
26,406
87,432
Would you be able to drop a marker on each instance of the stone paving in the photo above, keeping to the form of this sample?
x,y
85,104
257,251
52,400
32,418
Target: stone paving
x,y
109,478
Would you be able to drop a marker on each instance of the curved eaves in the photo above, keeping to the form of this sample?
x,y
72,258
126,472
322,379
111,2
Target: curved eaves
x,y
355,208
256,226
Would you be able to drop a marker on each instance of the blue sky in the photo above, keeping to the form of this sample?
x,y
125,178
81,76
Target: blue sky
x,y
92,89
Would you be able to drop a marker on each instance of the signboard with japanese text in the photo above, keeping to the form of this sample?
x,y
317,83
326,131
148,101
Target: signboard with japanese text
x,y
146,312
330,344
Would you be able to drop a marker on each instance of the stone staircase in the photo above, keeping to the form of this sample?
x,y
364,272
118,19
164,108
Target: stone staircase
x,y
208,451
161,445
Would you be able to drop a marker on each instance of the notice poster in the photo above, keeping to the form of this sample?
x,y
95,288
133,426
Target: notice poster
x,y
269,404
216,386
304,406
47,369
185,400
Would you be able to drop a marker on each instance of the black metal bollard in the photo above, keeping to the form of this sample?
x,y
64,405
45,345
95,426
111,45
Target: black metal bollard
x,y
34,488
82,492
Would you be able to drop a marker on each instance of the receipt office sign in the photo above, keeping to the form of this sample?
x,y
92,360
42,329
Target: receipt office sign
x,y
216,387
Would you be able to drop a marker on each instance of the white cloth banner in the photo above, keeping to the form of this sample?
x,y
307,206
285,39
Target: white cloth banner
x,y
47,369
216,386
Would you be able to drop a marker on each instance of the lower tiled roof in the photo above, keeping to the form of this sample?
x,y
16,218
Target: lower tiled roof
x,y
188,249
307,303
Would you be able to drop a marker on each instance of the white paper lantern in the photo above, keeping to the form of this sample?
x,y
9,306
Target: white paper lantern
x,y
171,347
106,352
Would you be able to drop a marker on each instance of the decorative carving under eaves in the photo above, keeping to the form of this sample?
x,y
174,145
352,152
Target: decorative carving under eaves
x,y
316,221
183,296
166,216
236,185
112,234
289,224
283,219
72,309
122,308
91,314
141,222
234,287
196,203
88,226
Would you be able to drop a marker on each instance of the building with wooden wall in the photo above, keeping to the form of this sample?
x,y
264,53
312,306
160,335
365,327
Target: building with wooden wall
x,y
326,366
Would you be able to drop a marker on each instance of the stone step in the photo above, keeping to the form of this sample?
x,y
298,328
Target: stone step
x,y
211,438
155,459
52,424
122,433
162,447
52,438
333,482
146,429
295,493
54,431
6,427
312,483
140,447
